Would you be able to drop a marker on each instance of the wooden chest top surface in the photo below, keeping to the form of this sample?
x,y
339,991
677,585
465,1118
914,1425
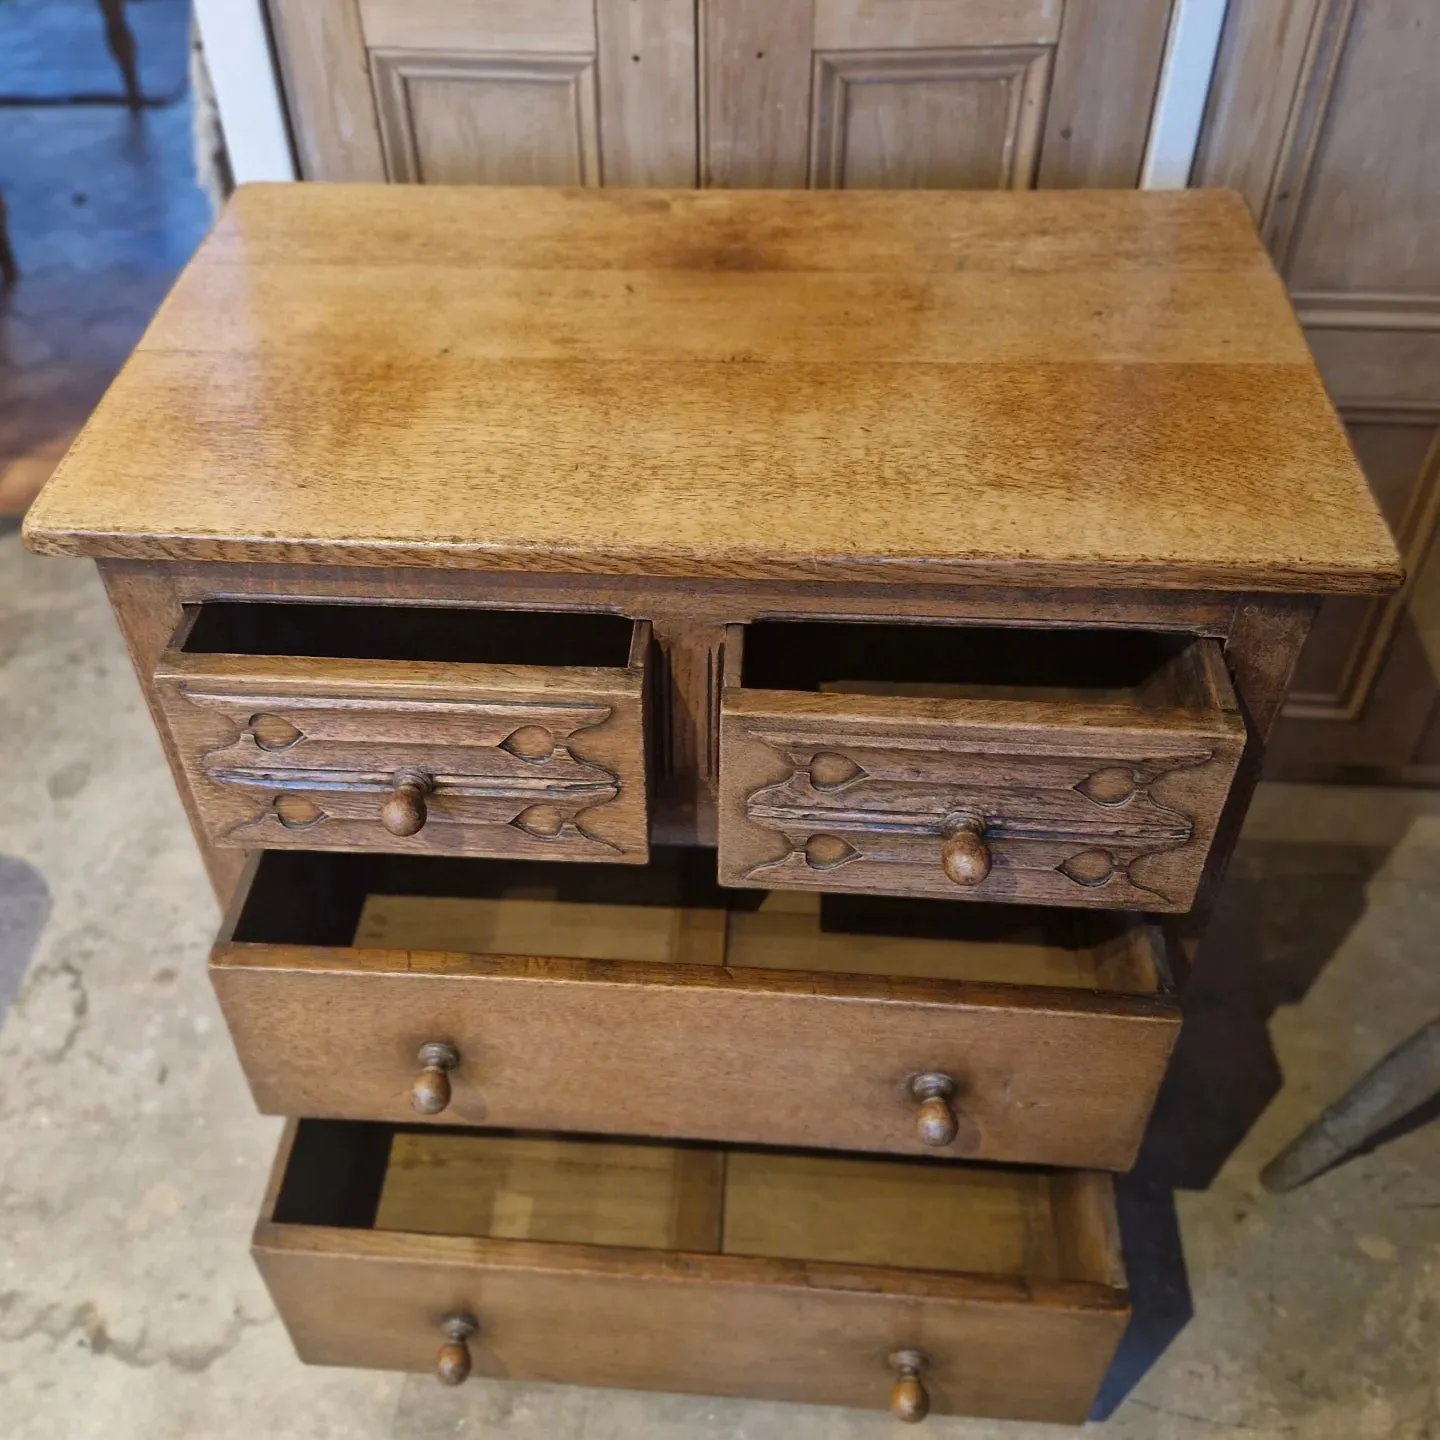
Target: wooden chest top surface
x,y
1094,388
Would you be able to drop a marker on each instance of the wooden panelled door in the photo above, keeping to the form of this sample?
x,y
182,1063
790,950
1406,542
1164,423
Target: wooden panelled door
x,y
1326,115
825,93
490,92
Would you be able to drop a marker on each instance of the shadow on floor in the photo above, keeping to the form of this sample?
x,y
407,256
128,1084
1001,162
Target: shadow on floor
x,y
24,909
1285,909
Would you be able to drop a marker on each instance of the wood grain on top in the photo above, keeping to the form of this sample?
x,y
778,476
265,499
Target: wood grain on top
x,y
1100,388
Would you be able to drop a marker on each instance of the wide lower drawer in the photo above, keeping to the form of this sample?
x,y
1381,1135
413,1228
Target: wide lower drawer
x,y
651,1002
412,729
775,1275
1050,767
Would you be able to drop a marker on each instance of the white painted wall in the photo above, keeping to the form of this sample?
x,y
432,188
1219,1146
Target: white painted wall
x,y
247,90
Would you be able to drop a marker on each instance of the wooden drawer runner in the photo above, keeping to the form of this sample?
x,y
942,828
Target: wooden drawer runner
x,y
1048,767
769,1274
358,727
652,1002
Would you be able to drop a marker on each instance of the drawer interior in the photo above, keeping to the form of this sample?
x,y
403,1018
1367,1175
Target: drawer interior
x,y
673,912
1137,668
407,632
795,1205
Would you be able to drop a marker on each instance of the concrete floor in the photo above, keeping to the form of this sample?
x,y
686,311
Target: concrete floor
x,y
131,1163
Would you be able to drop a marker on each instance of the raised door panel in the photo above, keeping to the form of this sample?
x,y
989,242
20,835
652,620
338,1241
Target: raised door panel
x,y
488,119
1364,220
912,94
1337,671
938,119
1366,682
1324,113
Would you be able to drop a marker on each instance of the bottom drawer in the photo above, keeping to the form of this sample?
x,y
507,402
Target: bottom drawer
x,y
779,1275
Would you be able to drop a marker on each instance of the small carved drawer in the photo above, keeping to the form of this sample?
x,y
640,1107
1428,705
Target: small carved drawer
x,y
913,1285
652,1002
1052,767
359,727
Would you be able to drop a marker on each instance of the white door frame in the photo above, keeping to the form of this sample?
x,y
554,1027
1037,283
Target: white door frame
x,y
247,90
1190,50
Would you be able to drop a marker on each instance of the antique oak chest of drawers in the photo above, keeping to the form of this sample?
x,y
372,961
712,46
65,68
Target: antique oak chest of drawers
x,y
716,719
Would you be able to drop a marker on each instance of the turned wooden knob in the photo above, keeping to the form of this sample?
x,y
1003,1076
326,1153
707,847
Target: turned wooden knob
x,y
965,857
452,1363
935,1121
404,813
909,1402
430,1093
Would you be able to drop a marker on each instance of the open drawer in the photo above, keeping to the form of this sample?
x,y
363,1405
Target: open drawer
x,y
1051,767
651,1002
409,728
774,1275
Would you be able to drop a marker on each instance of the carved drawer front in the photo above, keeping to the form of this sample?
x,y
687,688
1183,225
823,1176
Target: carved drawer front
x,y
1045,767
466,732
776,1275
649,1001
